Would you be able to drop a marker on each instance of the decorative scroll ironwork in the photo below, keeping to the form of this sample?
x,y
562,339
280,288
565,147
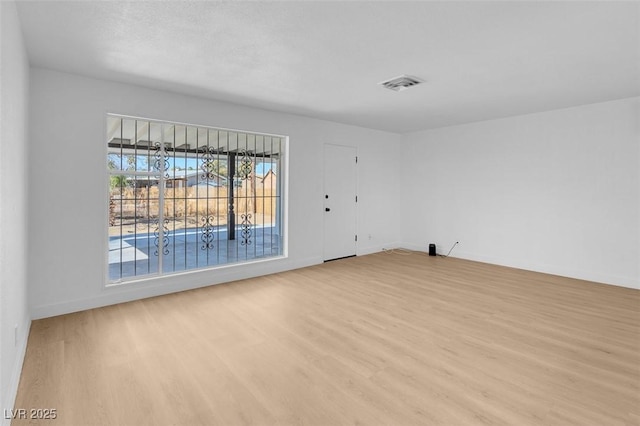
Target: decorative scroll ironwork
x,y
112,211
245,168
161,159
165,237
207,236
245,229
207,167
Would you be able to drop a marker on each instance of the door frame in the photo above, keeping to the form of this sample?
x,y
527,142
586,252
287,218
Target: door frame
x,y
356,186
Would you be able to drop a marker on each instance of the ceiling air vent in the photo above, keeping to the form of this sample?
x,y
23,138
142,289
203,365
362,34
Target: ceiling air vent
x,y
401,83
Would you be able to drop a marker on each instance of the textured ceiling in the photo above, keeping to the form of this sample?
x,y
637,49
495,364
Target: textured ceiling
x,y
480,60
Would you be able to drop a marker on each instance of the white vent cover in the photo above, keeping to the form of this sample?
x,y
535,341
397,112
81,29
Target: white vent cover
x,y
401,83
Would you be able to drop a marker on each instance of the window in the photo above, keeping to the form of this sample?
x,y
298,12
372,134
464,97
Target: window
x,y
185,197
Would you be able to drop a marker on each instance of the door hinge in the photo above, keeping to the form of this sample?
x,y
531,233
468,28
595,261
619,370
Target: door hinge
x,y
356,198
356,159
356,238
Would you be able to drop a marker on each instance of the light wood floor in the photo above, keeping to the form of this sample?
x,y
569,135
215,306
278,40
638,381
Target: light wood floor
x,y
382,339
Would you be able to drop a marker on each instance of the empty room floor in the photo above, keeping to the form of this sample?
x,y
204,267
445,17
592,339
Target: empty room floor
x,y
388,338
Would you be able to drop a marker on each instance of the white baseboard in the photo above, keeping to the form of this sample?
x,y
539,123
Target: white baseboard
x,y
181,282
171,284
9,400
615,280
546,269
362,251
414,247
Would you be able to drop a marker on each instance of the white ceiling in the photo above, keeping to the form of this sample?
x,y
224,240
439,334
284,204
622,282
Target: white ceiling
x,y
480,60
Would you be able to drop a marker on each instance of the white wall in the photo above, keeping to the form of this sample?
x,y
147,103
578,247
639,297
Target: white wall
x,y
67,168
555,192
14,79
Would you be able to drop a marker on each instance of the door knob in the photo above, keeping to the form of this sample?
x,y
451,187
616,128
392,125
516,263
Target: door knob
x,y
327,209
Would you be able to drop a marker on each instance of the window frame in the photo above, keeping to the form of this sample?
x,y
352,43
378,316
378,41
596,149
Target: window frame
x,y
280,218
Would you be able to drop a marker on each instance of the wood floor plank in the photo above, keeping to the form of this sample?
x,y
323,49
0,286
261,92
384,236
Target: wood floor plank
x,y
390,338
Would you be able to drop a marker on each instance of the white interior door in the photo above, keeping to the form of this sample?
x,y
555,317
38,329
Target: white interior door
x,y
339,201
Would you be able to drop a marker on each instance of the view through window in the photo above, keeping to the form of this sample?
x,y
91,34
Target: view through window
x,y
185,197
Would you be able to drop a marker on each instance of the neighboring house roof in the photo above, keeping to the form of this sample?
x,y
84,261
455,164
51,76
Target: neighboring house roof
x,y
270,172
